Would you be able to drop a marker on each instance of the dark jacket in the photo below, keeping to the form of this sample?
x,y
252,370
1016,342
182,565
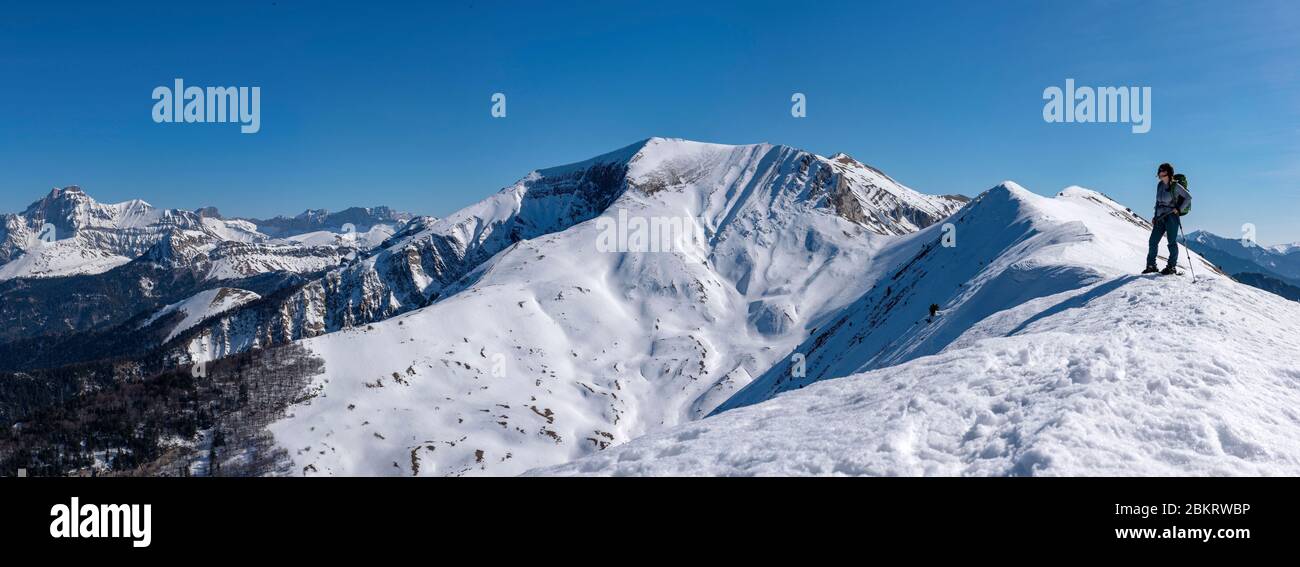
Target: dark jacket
x,y
1169,201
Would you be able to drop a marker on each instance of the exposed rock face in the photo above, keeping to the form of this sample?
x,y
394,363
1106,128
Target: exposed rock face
x,y
865,195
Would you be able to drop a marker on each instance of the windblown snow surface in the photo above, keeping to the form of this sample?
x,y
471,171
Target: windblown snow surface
x,y
1051,359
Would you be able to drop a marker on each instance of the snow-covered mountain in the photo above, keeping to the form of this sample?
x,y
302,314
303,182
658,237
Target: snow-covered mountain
x,y
430,258
1049,357
1237,256
541,341
69,233
357,219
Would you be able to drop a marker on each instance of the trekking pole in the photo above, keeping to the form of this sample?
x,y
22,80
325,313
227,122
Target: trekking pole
x,y
1191,262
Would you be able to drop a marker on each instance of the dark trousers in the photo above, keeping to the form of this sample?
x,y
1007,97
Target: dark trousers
x,y
1164,227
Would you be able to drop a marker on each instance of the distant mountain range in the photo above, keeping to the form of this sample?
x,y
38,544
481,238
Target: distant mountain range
x,y
1271,268
70,265
69,233
362,219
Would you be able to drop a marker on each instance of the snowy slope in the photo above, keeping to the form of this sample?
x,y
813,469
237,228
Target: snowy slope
x,y
1010,247
60,258
233,230
201,306
1080,369
557,347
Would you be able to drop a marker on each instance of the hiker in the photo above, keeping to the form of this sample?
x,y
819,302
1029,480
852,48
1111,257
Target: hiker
x,y
1172,202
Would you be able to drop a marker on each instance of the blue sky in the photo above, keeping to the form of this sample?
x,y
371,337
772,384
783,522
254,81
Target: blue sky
x,y
389,103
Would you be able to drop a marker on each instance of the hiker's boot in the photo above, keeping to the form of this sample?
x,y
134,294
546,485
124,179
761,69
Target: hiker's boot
x,y
1150,270
1168,271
